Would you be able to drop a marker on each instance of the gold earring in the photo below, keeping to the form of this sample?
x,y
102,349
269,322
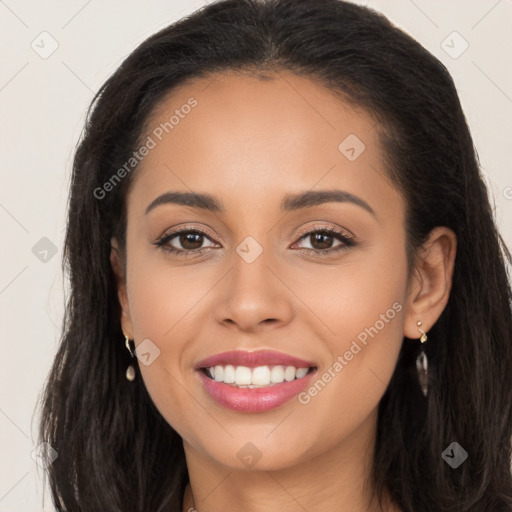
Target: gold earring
x,y
422,363
423,335
130,371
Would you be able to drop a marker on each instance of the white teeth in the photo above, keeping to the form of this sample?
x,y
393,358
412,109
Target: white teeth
x,y
229,374
219,374
261,376
301,372
277,374
289,373
242,375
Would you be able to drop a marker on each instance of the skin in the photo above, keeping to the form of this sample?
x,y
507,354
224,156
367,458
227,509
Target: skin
x,y
249,142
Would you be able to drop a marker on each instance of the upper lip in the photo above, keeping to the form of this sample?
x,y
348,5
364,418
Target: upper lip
x,y
253,359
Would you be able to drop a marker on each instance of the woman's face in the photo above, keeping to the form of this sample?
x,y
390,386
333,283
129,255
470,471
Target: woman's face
x,y
263,151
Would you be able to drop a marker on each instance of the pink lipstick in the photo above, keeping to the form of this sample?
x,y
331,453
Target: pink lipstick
x,y
256,381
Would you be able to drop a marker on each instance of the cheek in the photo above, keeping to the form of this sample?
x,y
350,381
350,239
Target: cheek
x,y
356,294
362,305
162,296
164,304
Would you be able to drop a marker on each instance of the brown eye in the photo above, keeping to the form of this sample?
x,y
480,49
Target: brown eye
x,y
323,241
185,241
190,240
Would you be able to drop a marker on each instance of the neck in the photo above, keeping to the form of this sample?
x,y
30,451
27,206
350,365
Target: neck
x,y
323,482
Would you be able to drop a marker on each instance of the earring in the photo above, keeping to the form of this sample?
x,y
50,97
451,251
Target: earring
x,y
422,364
130,371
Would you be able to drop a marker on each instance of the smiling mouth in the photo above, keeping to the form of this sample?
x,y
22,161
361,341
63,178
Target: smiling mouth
x,y
257,377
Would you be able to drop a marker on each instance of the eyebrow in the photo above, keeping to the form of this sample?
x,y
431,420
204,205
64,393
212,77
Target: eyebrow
x,y
289,203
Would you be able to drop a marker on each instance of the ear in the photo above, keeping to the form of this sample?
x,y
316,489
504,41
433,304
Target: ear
x,y
118,266
431,281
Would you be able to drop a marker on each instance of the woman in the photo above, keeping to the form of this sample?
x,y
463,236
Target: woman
x,y
287,288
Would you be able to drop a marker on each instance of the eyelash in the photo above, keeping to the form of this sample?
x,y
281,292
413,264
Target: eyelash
x,y
166,238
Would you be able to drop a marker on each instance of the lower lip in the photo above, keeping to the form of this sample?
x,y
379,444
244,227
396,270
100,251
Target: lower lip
x,y
256,399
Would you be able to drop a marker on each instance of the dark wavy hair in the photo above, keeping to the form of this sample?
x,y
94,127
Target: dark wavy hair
x,y
116,452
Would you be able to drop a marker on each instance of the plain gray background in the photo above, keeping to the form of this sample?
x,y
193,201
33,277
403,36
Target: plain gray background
x,y
43,99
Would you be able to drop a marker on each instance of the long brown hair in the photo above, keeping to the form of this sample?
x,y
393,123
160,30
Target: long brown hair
x,y
116,452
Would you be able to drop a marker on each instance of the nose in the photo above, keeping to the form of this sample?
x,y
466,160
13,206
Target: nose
x,y
254,296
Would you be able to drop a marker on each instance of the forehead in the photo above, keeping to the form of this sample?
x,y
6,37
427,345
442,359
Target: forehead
x,y
260,137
